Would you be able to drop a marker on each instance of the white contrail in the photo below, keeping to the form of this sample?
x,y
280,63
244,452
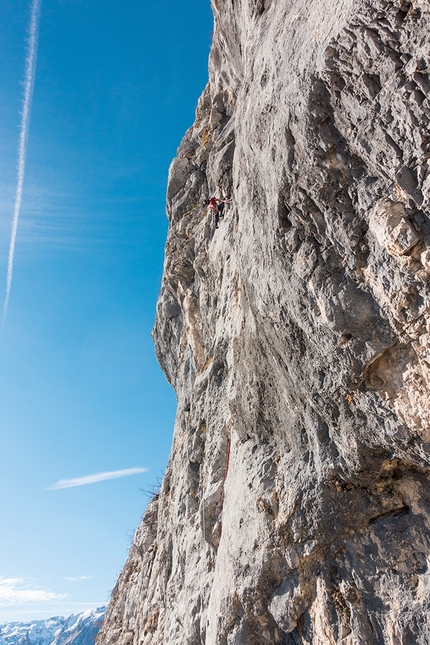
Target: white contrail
x,y
97,477
30,68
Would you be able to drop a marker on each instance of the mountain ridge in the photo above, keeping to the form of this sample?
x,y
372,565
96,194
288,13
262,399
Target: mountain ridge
x,y
76,629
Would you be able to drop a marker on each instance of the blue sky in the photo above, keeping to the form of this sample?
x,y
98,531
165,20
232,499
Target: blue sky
x,y
116,87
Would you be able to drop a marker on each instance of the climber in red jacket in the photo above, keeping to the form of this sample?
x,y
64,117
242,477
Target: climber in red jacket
x,y
213,208
216,206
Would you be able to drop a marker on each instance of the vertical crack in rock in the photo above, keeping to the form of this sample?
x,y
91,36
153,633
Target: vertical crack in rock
x,y
295,508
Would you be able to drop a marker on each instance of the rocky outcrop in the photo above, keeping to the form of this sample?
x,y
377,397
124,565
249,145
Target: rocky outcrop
x,y
295,507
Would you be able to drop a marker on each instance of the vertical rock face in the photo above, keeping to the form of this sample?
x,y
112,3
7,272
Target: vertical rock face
x,y
295,506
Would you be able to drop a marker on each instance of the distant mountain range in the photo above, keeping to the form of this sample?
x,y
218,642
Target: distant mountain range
x,y
78,629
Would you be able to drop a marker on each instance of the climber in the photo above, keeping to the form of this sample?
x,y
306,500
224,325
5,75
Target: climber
x,y
213,208
216,206
221,206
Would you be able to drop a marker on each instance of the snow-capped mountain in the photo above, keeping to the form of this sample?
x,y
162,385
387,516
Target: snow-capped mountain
x,y
78,629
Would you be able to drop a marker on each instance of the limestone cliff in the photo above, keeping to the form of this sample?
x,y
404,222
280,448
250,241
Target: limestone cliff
x,y
295,508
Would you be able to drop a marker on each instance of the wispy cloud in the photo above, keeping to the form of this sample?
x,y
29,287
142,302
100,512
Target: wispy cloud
x,y
14,591
77,578
30,68
97,477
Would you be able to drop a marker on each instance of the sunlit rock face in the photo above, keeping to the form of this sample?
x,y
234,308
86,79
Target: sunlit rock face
x,y
295,505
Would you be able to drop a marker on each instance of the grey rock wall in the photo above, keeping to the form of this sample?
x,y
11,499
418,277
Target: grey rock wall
x,y
295,508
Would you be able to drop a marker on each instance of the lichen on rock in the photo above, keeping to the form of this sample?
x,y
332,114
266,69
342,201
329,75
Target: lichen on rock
x,y
295,506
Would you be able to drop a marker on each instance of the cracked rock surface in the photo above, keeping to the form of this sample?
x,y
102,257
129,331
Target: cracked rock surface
x,y
295,507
